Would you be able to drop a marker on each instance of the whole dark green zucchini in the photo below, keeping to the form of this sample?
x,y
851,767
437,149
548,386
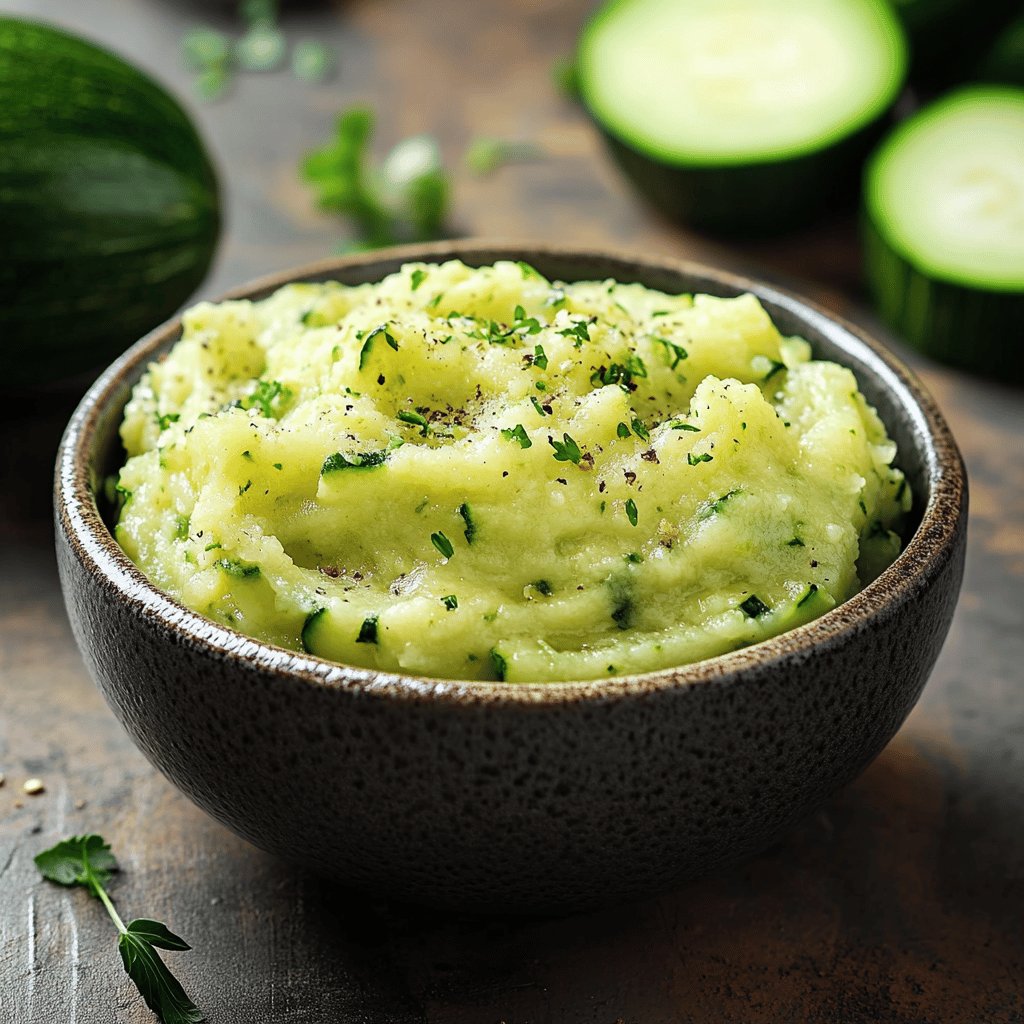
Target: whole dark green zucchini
x,y
109,211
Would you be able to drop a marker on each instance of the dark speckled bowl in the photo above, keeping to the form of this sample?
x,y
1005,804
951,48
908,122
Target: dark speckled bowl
x,y
517,797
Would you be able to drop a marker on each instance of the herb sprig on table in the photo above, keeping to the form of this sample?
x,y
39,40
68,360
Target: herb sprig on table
x,y
87,861
407,196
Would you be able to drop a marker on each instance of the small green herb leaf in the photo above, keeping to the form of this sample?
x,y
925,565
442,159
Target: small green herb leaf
x,y
359,460
271,397
540,357
640,430
566,450
467,517
442,543
79,860
418,277
674,354
631,512
622,430
517,433
695,460
157,986
451,602
157,934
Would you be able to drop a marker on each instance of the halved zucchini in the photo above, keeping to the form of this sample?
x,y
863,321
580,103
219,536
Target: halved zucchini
x,y
744,116
944,230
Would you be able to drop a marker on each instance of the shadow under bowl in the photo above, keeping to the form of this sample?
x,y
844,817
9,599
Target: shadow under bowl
x,y
524,798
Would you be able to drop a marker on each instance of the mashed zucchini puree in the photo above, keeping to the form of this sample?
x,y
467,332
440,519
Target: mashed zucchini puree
x,y
483,474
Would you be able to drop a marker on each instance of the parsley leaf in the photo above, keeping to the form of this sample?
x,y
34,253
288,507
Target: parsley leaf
x,y
566,450
540,357
364,352
517,433
88,862
631,512
442,543
754,607
405,198
674,353
271,397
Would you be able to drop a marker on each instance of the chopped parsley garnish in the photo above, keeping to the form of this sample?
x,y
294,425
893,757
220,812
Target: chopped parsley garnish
x,y
244,487
811,591
416,420
634,558
368,631
541,411
182,524
442,543
269,396
694,460
685,426
418,277
278,465
753,607
622,430
579,332
631,513
619,373
364,352
566,450
542,586
451,602
467,517
796,542
527,271
240,570
359,460
640,430
674,354
517,433
540,357
164,421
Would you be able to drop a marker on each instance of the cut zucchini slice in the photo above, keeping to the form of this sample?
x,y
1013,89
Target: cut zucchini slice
x,y
944,230
741,115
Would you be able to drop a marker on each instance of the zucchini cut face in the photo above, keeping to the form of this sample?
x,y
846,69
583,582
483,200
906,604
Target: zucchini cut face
x,y
944,230
711,82
946,189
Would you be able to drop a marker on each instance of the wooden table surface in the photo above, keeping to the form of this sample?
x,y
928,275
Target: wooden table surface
x,y
901,900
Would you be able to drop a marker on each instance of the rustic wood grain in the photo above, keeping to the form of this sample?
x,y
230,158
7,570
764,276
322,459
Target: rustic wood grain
x,y
902,900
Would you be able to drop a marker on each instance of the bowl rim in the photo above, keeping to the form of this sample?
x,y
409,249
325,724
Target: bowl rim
x,y
77,515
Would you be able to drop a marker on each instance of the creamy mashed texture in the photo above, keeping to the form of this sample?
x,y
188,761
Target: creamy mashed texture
x,y
480,473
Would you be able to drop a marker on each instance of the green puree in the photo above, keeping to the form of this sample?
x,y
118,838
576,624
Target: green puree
x,y
481,474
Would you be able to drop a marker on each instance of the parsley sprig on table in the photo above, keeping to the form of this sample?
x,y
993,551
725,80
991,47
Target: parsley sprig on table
x,y
88,862
405,198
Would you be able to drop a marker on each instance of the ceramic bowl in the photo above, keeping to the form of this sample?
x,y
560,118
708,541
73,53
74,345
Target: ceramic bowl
x,y
539,797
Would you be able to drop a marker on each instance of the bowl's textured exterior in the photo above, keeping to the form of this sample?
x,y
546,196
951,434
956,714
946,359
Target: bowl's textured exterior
x,y
529,797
